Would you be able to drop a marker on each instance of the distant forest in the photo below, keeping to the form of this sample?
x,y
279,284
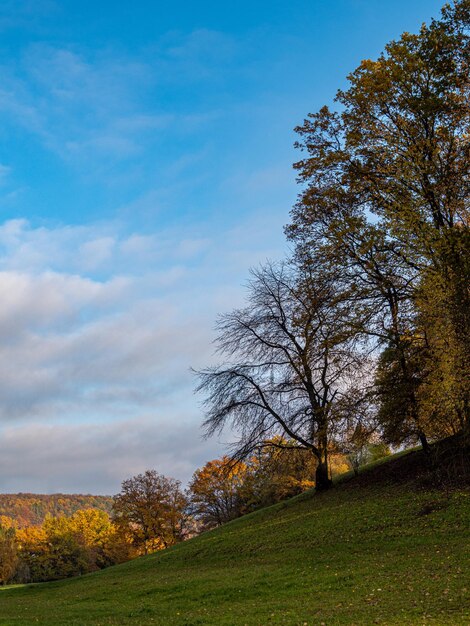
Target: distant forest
x,y
30,509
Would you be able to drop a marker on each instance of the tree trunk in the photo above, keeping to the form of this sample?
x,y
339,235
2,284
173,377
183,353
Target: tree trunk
x,y
424,442
322,481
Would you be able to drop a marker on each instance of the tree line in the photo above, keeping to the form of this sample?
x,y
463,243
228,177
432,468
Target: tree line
x,y
365,331
31,509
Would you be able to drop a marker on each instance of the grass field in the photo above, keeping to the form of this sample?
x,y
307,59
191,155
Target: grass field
x,y
375,550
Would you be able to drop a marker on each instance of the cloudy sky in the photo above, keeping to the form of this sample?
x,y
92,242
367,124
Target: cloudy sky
x,y
145,165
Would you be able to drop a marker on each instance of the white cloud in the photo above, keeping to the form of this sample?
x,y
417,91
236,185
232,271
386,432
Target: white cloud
x,y
96,251
96,458
65,339
99,327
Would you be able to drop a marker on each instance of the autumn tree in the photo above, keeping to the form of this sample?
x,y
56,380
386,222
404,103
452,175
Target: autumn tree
x,y
67,546
52,551
8,552
105,544
216,492
152,508
288,363
225,489
385,198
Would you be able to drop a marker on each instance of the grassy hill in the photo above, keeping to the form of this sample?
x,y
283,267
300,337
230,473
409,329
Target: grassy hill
x,y
383,548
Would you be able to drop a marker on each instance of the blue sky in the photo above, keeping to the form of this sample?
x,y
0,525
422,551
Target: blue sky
x,y
145,165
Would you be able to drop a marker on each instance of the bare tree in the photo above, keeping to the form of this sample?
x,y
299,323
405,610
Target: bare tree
x,y
289,364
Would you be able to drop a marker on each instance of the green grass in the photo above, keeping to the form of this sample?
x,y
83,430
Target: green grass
x,y
367,552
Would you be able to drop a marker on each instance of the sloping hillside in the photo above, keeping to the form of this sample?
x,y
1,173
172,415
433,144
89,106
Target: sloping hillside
x,y
384,548
30,509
